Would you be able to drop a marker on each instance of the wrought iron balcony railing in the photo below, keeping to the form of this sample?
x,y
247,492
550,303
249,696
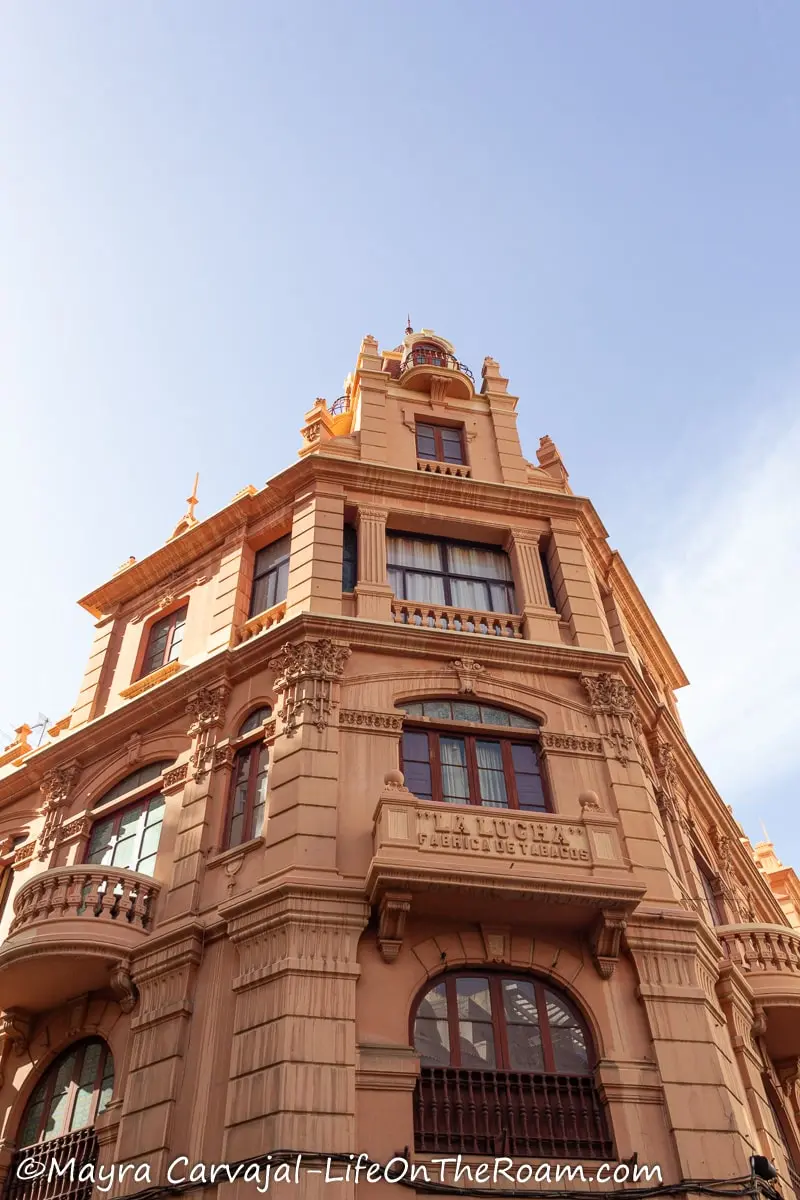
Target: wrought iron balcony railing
x,y
426,357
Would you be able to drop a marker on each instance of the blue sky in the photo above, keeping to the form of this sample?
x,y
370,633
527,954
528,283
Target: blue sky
x,y
204,207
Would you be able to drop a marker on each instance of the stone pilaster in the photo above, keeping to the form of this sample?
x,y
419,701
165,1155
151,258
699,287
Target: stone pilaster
x,y
743,1027
315,567
373,594
231,592
294,1049
98,670
165,978
304,770
575,587
370,397
676,959
503,411
541,620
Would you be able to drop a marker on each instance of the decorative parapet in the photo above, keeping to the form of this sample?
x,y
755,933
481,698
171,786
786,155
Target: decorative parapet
x,y
456,620
260,623
150,681
431,467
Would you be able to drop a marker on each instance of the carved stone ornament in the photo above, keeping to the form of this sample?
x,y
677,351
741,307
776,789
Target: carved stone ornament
x,y
468,670
123,986
609,693
304,676
207,708
605,942
133,748
374,722
55,787
394,909
759,1027
15,1033
175,776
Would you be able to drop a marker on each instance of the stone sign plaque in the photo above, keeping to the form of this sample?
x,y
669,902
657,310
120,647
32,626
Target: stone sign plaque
x,y
513,835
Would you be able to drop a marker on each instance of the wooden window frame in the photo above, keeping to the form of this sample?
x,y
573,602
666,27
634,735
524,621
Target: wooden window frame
x,y
172,618
72,1091
507,736
495,979
251,747
271,570
437,428
116,815
447,575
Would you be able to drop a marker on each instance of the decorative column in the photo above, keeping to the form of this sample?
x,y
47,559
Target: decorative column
x,y
56,787
293,1061
541,619
373,594
304,768
744,1029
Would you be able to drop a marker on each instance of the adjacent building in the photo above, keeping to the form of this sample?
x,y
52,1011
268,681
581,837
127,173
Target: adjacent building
x,y
374,829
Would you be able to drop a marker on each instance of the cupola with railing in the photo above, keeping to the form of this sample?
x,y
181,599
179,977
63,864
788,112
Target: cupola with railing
x,y
428,364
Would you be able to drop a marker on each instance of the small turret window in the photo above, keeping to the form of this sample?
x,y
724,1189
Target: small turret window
x,y
440,443
428,354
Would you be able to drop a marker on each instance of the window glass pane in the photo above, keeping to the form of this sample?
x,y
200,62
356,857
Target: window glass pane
x,y
349,559
501,598
530,792
107,1085
476,1036
426,442
431,1032
424,589
451,445
177,639
57,1111
569,1042
441,709
258,819
101,843
494,716
255,720
416,767
522,1026
150,841
271,555
490,775
469,593
129,821
413,710
134,780
412,552
475,560
259,601
466,712
30,1126
455,779
237,830
155,811
281,583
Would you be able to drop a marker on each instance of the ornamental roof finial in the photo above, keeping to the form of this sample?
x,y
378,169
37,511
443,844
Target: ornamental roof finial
x,y
187,521
409,328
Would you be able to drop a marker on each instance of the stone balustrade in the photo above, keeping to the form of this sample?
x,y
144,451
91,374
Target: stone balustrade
x,y
458,620
88,893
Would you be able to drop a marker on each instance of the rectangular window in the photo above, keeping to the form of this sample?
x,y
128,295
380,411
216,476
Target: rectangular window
x,y
488,772
548,579
440,443
270,576
709,893
164,641
433,571
349,559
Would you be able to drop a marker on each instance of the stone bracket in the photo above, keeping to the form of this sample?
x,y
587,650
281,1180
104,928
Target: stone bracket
x,y
392,913
605,940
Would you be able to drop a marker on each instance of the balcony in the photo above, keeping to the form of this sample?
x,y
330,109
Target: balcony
x,y
459,1111
71,927
458,620
427,367
499,864
769,958
259,623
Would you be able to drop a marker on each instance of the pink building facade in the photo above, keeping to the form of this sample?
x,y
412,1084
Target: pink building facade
x,y
374,829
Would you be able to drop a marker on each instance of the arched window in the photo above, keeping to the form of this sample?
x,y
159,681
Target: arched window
x,y
428,354
129,836
497,769
255,720
248,799
61,1113
506,1068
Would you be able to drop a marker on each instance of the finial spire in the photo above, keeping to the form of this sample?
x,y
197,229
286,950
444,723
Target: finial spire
x,y
409,327
187,521
764,831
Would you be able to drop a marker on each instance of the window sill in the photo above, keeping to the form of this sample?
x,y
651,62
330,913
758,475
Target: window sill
x,y
432,467
233,852
259,623
151,680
